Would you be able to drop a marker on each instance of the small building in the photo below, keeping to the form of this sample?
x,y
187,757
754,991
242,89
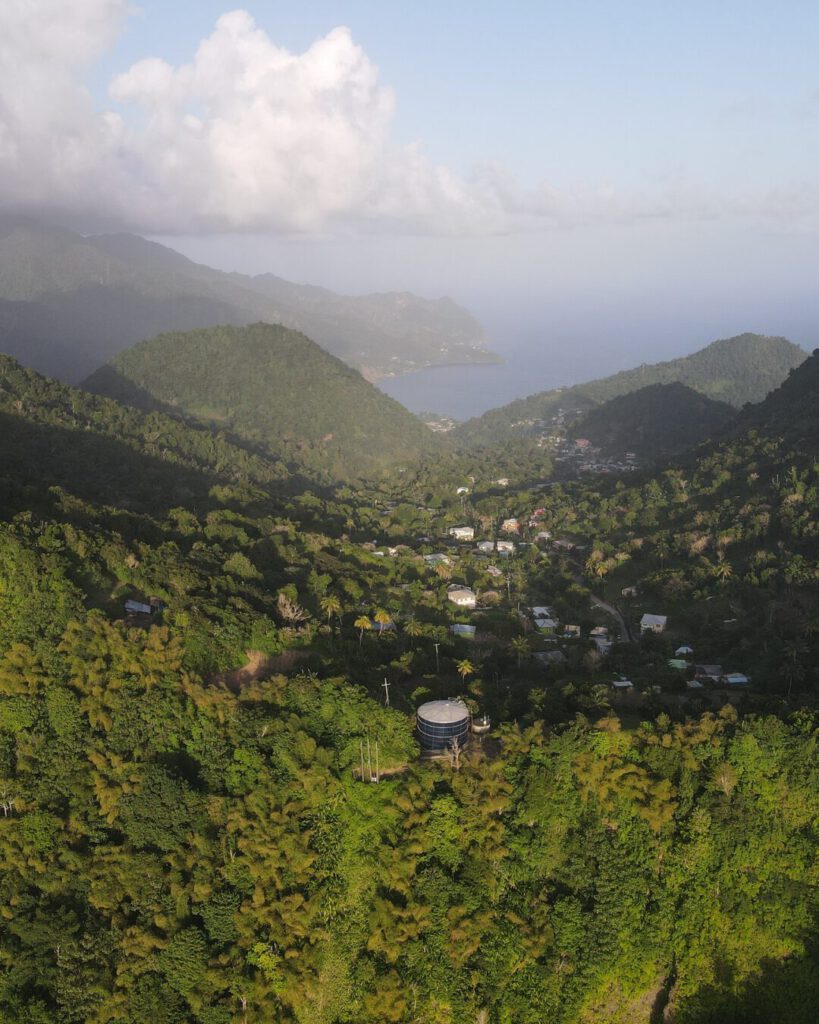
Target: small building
x,y
680,664
573,632
493,570
502,481
462,532
440,723
737,679
653,623
684,651
623,685
603,645
137,608
510,525
462,596
599,632
462,630
694,684
547,625
543,535
505,547
710,673
486,547
462,490
629,592
542,611
439,558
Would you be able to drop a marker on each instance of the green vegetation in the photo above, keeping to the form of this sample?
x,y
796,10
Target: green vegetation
x,y
274,389
655,422
184,830
69,303
734,370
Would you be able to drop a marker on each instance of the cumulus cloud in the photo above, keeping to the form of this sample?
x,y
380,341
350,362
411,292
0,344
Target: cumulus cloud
x,y
248,136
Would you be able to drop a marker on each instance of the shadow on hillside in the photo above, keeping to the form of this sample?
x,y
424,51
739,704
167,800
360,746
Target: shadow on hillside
x,y
96,469
780,992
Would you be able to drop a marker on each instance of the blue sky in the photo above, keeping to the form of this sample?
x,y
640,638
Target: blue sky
x,y
636,178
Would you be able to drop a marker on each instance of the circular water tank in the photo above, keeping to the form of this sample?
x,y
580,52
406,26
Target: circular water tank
x,y
440,722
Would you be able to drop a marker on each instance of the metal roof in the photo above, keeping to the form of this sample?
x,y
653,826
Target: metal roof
x,y
443,712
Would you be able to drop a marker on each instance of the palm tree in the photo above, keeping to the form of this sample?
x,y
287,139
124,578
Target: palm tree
x,y
520,645
465,668
331,606
362,623
413,629
383,619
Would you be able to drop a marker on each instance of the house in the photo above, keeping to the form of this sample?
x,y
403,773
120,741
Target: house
x,y
505,547
601,632
462,630
547,625
137,608
542,612
462,596
711,673
694,684
462,490
462,532
653,623
438,559
572,631
493,570
684,651
510,525
486,547
603,645
624,685
680,664
543,535
629,592
502,481
737,679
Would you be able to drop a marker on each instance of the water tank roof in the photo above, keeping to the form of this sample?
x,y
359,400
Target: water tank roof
x,y
443,712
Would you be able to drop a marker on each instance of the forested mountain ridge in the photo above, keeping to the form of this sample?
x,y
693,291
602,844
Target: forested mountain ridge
x,y
272,388
185,843
734,370
655,422
68,303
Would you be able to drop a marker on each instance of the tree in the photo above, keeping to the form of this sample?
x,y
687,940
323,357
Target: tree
x,y
465,668
383,619
520,645
331,606
362,623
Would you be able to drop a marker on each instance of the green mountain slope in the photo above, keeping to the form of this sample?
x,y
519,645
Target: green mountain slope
x,y
655,422
274,389
68,303
734,370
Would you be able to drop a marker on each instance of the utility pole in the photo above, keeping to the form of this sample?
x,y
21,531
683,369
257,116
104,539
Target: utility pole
x,y
386,693
437,661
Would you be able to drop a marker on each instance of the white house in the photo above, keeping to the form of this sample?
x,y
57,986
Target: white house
x,y
439,558
486,547
653,623
623,684
505,547
510,525
684,651
462,490
462,596
462,532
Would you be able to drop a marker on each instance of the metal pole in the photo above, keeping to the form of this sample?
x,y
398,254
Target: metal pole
x,y
437,661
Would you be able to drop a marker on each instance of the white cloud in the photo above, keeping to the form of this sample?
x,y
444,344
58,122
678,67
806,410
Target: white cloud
x,y
250,137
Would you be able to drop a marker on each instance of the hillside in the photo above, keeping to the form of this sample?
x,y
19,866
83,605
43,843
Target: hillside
x,y
274,389
655,422
69,303
734,370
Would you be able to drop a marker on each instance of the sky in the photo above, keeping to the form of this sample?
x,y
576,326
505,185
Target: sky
x,y
631,179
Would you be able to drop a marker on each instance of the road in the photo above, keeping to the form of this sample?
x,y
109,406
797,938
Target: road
x,y
625,632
